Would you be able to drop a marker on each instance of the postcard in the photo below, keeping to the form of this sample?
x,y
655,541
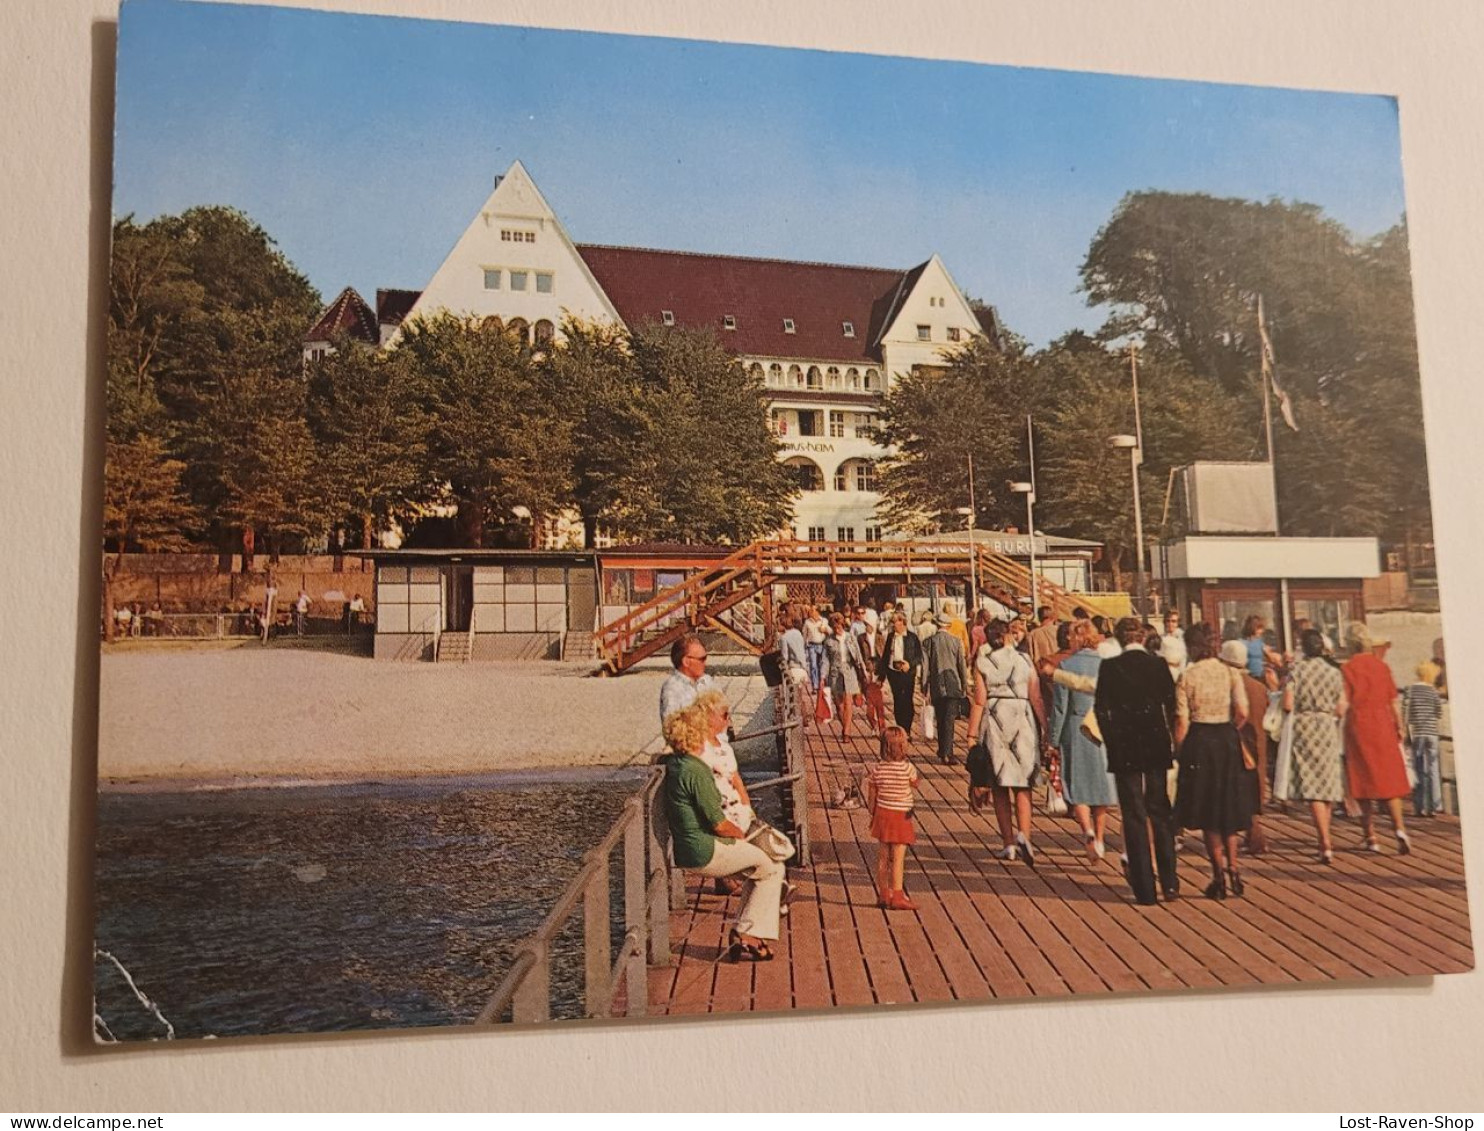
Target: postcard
x,y
614,527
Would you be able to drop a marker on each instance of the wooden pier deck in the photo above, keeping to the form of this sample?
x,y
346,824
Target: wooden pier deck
x,y
987,929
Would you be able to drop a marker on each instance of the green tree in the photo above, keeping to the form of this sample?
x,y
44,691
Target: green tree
x,y
1184,271
144,508
495,441
935,418
1084,487
590,378
366,414
702,464
253,458
205,314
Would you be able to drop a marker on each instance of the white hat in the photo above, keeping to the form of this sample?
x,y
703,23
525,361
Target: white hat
x,y
1234,652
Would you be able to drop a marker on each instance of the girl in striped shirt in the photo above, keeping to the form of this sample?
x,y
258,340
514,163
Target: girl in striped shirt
x,y
889,784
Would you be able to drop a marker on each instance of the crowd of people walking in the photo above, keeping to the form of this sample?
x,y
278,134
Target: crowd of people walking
x,y
1175,728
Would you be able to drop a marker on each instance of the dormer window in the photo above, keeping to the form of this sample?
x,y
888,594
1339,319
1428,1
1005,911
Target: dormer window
x,y
729,322
848,329
667,317
788,325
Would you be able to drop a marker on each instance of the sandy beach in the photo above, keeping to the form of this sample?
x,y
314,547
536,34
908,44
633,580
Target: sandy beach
x,y
248,716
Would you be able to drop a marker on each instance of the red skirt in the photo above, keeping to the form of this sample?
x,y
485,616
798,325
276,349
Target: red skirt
x,y
892,826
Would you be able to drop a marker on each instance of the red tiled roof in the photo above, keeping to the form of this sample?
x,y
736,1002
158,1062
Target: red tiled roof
x,y
392,305
701,290
349,315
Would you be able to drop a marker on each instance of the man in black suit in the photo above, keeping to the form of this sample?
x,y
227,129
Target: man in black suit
x,y
898,664
1135,708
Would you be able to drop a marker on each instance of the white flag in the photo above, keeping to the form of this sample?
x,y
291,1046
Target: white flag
x,y
1270,370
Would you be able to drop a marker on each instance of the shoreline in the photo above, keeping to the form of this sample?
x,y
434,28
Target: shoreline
x,y
487,779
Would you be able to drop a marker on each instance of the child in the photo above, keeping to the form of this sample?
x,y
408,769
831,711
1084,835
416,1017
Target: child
x,y
1422,708
889,791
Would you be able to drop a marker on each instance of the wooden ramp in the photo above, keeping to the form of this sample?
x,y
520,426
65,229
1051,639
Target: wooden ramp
x,y
991,929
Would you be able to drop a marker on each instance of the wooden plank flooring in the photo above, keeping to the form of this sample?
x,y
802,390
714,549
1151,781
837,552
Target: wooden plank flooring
x,y
986,929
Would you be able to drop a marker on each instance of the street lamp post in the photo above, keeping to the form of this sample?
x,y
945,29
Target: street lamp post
x,y
1132,444
1029,491
973,562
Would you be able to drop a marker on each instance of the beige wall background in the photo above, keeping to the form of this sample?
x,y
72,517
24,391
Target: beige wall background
x,y
1400,1046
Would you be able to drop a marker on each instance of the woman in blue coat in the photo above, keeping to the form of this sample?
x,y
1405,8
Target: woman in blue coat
x,y
1086,782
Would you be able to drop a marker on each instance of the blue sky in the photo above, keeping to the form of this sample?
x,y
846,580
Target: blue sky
x,y
365,145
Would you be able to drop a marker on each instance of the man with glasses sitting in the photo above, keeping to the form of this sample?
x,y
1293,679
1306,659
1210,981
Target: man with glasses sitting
x,y
689,679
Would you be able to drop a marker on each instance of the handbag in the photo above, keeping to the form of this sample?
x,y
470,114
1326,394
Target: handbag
x,y
1056,804
981,773
1090,728
1272,719
773,843
824,709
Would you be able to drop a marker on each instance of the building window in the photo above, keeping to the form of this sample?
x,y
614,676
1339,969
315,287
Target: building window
x,y
853,379
795,377
667,317
953,333
518,280
544,331
775,374
543,282
873,534
816,534
811,423
832,377
844,534
755,371
924,333
865,476
837,425
873,381
807,474
842,479
492,278
729,322
517,327
814,380
864,425
778,422
788,325
318,353
530,237
848,329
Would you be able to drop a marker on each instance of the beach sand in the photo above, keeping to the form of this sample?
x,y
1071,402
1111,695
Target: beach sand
x,y
249,716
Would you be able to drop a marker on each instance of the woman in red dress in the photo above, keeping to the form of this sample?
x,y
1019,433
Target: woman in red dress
x,y
1374,766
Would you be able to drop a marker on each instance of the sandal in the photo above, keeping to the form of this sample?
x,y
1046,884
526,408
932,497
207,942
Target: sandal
x,y
741,951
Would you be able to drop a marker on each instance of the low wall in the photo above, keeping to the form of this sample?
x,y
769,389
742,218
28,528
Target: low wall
x,y
199,583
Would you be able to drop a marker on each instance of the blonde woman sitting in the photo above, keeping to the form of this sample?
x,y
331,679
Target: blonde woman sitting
x,y
704,841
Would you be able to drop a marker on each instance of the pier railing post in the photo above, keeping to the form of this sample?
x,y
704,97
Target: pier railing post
x,y
597,947
532,1001
635,913
658,888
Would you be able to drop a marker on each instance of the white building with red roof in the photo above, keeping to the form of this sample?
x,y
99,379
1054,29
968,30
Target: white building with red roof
x,y
827,340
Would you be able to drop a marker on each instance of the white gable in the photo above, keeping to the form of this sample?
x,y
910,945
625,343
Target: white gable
x,y
935,302
493,269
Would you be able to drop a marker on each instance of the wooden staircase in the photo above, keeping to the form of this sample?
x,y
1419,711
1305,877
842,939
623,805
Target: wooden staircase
x,y
734,596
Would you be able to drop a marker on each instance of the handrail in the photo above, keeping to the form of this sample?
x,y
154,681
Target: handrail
x,y
764,559
525,991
